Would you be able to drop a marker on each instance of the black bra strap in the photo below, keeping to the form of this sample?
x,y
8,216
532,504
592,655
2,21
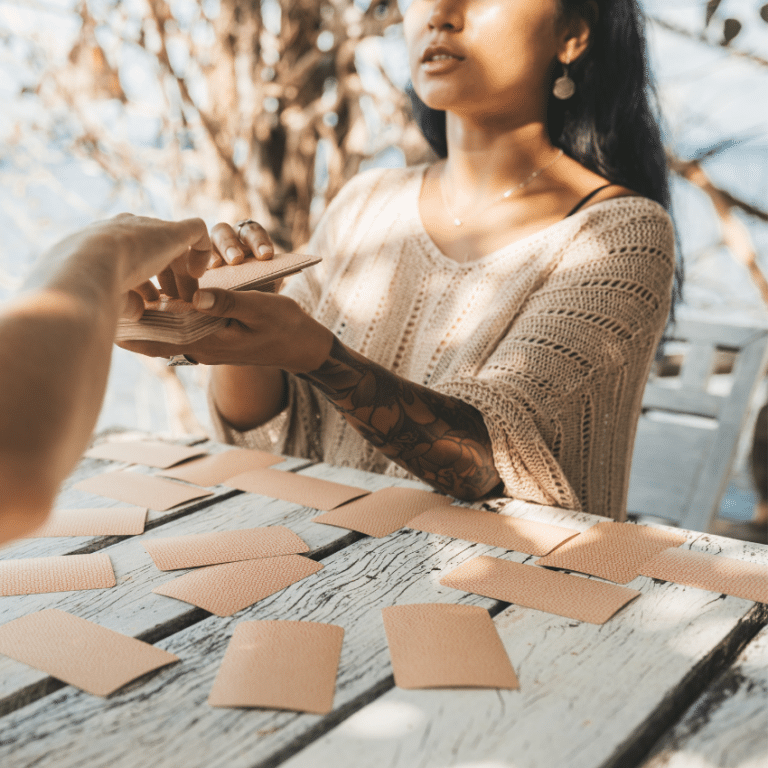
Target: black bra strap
x,y
585,200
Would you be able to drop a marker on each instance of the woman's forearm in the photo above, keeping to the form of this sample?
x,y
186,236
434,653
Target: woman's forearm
x,y
438,438
265,388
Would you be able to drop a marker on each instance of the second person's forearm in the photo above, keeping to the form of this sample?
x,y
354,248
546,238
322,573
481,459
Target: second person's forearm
x,y
55,349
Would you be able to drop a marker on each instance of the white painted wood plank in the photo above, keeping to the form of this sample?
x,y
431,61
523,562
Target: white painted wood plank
x,y
132,608
666,465
71,498
733,336
704,503
687,487
697,367
584,690
169,711
728,726
682,400
575,677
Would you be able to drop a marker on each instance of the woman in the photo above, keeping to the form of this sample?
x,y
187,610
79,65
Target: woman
x,y
485,323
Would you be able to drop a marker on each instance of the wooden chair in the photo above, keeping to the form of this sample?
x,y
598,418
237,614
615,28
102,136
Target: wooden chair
x,y
694,411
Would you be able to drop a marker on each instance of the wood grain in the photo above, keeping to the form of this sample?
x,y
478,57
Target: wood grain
x,y
586,693
170,711
71,498
585,690
728,725
132,609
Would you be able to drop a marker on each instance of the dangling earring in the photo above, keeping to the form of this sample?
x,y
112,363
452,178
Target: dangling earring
x,y
564,85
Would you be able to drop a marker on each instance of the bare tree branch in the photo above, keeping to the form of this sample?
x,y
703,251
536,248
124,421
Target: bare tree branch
x,y
700,37
687,168
157,7
236,108
736,237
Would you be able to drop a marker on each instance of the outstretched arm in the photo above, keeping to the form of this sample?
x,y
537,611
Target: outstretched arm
x,y
55,345
440,439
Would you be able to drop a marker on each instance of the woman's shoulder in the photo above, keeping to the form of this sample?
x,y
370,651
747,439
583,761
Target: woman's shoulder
x,y
370,191
626,214
623,229
381,180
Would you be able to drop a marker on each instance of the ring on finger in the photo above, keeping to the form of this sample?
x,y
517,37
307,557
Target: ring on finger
x,y
241,224
181,360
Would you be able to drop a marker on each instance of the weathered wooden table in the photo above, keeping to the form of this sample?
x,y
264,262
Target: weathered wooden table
x,y
678,678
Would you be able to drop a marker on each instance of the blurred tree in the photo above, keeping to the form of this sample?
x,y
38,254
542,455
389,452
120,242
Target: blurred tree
x,y
720,30
227,109
260,108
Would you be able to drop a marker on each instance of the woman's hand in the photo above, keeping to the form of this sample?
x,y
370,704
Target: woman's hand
x,y
234,245
264,330
231,245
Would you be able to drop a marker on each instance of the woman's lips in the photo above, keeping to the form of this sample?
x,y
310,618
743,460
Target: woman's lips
x,y
441,63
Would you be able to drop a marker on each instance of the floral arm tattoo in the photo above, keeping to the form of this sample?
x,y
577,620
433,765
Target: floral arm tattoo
x,y
438,438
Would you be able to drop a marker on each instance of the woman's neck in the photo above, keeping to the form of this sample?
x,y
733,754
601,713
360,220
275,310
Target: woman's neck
x,y
484,161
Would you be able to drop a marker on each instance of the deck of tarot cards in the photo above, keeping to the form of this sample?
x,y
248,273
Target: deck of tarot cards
x,y
176,322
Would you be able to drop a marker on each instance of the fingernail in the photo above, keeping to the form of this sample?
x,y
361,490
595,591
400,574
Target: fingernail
x,y
264,250
233,253
204,300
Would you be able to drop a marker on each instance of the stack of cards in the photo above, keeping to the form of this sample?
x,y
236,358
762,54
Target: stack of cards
x,y
176,322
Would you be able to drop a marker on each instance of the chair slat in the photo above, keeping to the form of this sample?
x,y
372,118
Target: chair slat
x,y
680,471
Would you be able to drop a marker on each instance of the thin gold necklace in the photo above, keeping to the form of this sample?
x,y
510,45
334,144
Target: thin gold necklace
x,y
504,196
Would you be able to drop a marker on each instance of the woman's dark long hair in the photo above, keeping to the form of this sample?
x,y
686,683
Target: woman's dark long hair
x,y
611,124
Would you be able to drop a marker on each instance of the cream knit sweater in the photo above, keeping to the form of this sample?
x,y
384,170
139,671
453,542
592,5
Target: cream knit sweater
x,y
551,338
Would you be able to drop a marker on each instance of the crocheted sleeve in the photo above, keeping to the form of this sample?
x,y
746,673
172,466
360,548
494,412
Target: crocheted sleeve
x,y
562,391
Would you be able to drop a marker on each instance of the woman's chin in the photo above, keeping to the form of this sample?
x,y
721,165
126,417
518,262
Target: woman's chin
x,y
446,94
441,99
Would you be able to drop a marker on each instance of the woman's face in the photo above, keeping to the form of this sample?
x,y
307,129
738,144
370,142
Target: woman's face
x,y
483,58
